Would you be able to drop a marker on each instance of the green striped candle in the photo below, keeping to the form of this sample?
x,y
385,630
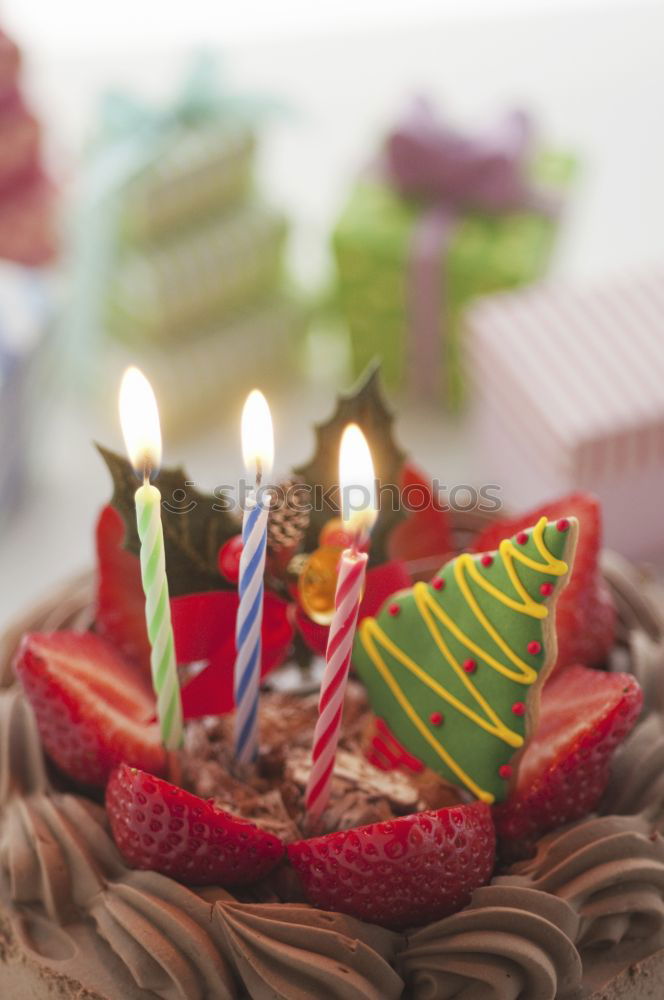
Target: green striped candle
x,y
140,425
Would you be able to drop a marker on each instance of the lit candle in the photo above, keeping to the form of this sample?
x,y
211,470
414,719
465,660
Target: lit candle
x,y
139,418
258,454
355,475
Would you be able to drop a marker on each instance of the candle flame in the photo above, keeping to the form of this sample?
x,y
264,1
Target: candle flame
x,y
358,482
257,435
139,419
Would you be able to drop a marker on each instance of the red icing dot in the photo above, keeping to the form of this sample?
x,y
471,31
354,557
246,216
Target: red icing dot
x,y
546,589
393,609
438,583
519,708
562,524
522,537
505,771
436,718
470,666
486,559
534,647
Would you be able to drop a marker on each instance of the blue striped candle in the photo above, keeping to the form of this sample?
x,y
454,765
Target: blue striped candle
x,y
257,448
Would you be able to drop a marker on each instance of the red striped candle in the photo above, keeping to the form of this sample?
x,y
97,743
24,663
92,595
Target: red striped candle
x,y
356,477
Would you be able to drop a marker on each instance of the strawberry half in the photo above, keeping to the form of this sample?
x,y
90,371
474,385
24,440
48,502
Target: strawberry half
x,y
120,614
584,715
399,872
93,710
585,614
161,827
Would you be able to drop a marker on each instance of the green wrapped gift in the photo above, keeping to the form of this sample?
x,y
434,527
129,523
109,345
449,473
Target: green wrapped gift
x,y
441,219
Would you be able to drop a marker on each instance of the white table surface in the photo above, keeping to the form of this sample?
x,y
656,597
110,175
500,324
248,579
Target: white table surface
x,y
592,73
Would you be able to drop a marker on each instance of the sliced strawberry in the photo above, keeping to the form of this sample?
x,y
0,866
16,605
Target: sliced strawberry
x,y
403,871
426,533
120,615
92,709
584,715
585,614
161,827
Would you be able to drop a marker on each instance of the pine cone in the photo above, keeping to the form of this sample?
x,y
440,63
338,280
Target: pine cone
x,y
289,516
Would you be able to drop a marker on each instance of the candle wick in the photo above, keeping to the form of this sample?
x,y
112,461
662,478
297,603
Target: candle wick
x,y
259,472
355,544
146,475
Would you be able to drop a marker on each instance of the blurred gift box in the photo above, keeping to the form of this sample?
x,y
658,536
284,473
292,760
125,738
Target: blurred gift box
x,y
178,260
569,395
25,311
27,197
440,218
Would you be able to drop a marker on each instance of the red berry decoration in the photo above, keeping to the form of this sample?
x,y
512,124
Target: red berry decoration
x,y
519,708
394,609
563,524
584,715
534,647
93,709
161,827
470,666
487,560
546,589
438,583
522,537
505,771
405,871
585,614
436,718
228,559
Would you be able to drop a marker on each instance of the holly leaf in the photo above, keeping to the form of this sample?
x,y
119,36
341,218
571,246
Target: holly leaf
x,y
196,525
364,405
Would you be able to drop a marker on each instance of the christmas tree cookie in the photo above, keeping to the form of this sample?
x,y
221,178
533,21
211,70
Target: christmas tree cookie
x,y
454,666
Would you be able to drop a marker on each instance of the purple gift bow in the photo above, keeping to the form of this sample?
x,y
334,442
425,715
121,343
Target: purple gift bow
x,y
450,172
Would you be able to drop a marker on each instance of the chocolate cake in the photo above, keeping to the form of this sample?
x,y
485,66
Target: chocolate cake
x,y
583,918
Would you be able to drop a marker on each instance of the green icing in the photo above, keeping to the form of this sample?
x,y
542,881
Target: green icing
x,y
371,244
409,676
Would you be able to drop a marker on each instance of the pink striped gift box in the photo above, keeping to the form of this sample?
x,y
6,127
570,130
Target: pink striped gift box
x,y
569,394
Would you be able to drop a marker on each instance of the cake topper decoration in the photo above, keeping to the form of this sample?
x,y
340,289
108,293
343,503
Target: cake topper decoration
x,y
454,667
195,524
366,407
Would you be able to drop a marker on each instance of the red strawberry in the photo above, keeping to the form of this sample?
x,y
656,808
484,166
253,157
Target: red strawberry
x,y
92,709
120,602
403,871
426,533
585,614
584,715
161,827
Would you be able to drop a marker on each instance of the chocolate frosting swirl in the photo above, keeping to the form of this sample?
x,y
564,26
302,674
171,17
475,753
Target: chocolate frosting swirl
x,y
55,851
511,943
610,870
637,774
294,952
22,767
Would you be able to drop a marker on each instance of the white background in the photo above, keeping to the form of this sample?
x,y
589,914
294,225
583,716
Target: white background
x,y
593,73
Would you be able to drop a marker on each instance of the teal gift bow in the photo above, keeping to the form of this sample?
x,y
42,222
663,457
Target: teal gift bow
x,y
199,98
132,134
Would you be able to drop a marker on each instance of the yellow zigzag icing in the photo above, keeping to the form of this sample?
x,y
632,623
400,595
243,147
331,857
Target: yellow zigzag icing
x,y
373,636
